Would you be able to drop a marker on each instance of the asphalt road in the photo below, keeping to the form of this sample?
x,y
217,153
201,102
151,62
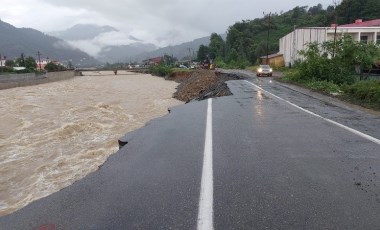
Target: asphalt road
x,y
273,166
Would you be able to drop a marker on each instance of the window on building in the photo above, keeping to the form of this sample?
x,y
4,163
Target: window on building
x,y
378,39
364,39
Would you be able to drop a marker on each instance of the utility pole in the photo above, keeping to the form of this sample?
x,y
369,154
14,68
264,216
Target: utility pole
x,y
269,24
1,62
22,61
336,2
39,59
294,50
190,57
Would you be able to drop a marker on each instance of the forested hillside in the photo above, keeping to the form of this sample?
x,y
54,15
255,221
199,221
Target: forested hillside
x,y
247,40
16,41
349,10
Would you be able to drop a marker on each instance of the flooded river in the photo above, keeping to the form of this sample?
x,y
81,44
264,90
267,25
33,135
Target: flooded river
x,y
54,134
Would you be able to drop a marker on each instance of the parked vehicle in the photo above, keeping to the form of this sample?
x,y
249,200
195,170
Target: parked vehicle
x,y
264,70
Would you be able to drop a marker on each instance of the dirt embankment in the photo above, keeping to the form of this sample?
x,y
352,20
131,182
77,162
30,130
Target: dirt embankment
x,y
201,84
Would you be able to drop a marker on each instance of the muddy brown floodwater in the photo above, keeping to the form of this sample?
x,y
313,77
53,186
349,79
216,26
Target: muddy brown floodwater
x,y
54,134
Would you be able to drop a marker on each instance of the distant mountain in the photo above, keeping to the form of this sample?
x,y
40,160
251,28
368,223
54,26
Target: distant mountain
x,y
82,32
122,53
105,43
181,51
14,41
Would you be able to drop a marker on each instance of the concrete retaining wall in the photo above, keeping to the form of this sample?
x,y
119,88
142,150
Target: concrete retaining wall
x,y
20,80
16,77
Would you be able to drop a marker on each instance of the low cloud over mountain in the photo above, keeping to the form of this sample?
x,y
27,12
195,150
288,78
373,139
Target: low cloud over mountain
x,y
103,42
30,42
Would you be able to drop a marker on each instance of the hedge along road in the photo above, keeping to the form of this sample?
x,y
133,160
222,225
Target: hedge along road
x,y
273,166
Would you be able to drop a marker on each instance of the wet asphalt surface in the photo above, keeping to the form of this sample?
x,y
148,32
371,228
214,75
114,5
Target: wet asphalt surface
x,y
275,167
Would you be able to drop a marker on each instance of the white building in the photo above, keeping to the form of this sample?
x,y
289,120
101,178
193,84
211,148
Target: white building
x,y
290,44
42,63
2,61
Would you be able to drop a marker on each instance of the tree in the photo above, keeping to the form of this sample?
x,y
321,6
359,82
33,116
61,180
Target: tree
x,y
20,61
298,12
217,46
54,67
203,51
9,63
350,10
233,55
30,63
316,9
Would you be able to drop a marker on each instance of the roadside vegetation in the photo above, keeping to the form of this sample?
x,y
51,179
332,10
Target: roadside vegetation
x,y
335,68
366,93
164,68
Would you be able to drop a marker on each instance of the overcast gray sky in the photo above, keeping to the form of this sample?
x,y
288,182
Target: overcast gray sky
x,y
161,22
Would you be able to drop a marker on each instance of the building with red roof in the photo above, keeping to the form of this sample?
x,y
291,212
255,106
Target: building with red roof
x,y
153,61
361,23
361,31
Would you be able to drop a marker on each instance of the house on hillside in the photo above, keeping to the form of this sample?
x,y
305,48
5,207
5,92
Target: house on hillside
x,y
152,61
362,31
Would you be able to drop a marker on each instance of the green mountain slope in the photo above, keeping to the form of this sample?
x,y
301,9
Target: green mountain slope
x,y
14,41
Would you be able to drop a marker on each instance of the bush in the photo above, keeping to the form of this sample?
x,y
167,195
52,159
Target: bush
x,y
293,75
54,67
240,64
335,61
367,92
160,70
220,63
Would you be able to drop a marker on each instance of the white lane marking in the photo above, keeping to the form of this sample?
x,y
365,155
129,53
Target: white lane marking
x,y
205,213
368,137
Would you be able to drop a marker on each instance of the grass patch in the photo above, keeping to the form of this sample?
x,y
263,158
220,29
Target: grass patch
x,y
293,76
364,93
252,68
323,86
172,70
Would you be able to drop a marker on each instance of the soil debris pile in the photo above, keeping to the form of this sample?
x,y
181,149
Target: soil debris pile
x,y
201,84
179,76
